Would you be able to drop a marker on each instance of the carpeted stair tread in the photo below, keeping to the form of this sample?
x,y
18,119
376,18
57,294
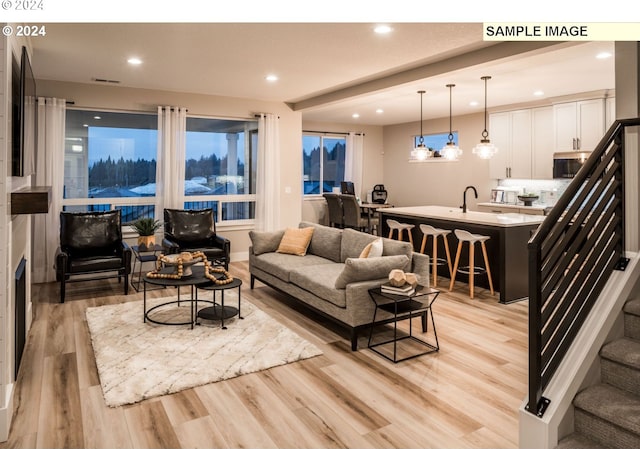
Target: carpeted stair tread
x,y
611,404
625,351
633,307
578,441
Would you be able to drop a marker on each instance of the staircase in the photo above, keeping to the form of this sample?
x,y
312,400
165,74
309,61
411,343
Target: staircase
x,y
607,415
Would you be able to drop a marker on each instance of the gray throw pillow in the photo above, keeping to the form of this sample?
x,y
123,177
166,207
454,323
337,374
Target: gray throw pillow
x,y
265,242
356,269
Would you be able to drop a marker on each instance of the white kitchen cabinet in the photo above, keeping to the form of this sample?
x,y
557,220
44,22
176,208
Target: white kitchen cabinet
x,y
542,143
610,112
579,125
511,133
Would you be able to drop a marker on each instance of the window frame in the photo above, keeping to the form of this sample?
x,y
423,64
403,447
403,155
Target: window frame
x,y
115,202
322,136
229,198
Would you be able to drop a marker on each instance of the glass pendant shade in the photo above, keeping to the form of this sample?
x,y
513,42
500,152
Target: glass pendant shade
x,y
450,150
485,149
420,152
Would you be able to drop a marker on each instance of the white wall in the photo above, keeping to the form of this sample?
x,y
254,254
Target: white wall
x,y
130,99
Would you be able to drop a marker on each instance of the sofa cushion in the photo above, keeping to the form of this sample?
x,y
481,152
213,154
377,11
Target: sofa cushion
x,y
353,242
295,241
325,241
394,247
265,242
320,280
356,269
281,265
373,249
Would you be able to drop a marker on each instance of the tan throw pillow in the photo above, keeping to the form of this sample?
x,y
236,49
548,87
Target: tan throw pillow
x,y
295,241
373,249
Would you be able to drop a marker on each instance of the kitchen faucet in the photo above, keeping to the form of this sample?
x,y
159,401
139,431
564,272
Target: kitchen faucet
x,y
464,198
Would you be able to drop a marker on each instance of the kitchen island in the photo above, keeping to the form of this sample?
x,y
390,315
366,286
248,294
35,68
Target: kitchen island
x,y
506,248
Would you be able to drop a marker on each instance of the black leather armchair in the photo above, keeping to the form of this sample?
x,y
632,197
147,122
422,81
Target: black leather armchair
x,y
195,230
91,245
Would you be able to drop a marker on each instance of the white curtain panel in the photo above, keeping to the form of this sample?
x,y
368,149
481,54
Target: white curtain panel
x,y
268,174
353,161
170,167
49,172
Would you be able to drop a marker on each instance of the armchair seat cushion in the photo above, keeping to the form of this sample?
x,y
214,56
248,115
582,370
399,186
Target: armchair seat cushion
x,y
95,264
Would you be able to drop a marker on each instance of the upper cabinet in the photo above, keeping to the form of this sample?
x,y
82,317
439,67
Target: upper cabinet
x,y
579,125
543,144
525,144
511,134
610,112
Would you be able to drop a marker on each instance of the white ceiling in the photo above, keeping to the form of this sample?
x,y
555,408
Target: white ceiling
x,y
326,70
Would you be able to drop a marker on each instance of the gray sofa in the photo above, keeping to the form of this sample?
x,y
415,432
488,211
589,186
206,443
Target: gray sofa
x,y
331,278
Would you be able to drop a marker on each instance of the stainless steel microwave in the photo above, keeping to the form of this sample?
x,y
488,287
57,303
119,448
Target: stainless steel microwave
x,y
567,164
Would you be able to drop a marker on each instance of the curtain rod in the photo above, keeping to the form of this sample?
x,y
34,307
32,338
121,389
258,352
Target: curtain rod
x,y
264,113
330,132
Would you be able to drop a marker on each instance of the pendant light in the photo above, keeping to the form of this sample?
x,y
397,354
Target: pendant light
x,y
485,149
450,150
421,152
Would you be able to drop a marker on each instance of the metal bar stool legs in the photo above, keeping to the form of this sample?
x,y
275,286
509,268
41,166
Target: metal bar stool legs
x,y
428,230
472,239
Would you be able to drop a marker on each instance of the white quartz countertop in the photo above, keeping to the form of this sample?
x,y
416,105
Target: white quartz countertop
x,y
455,214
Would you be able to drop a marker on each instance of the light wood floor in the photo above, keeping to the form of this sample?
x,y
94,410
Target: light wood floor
x,y
465,396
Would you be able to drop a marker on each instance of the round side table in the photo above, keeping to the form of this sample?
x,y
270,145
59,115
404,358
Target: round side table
x,y
218,311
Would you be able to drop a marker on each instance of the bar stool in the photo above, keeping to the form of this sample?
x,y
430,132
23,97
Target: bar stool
x,y
428,230
466,236
399,227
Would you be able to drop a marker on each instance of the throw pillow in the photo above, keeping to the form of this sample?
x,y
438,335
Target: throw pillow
x,y
373,249
356,269
295,241
265,242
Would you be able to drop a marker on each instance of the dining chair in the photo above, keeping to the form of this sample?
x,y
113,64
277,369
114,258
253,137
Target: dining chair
x,y
353,217
334,205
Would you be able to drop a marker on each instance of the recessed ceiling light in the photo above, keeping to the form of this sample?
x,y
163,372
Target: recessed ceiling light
x,y
379,111
538,93
603,55
271,78
97,117
356,115
473,103
134,61
383,29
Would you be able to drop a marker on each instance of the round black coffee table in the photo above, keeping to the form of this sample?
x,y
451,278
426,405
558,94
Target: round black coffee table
x,y
196,279
218,311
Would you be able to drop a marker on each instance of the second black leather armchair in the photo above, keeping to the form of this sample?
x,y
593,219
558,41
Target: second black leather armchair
x,y
195,230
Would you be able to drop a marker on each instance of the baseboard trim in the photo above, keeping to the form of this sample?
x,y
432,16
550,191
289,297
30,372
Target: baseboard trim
x,y
6,413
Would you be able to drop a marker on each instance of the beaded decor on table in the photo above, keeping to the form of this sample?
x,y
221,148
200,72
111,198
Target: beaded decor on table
x,y
185,259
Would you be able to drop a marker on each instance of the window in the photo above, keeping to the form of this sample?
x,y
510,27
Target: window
x,y
220,166
110,163
322,170
110,158
435,142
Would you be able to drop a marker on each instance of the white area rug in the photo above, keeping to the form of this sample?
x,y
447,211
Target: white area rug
x,y
138,360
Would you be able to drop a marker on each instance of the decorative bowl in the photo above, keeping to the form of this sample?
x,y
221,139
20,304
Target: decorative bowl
x,y
527,199
174,260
